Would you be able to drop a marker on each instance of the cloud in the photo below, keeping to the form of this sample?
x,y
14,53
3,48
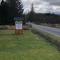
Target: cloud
x,y
1,0
39,6
53,2
56,9
26,6
43,7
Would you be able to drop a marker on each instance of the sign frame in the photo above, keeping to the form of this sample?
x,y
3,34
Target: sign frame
x,y
18,25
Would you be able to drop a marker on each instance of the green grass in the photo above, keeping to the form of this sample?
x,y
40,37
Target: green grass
x,y
26,47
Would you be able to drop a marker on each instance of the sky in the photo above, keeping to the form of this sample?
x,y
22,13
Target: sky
x,y
1,0
41,6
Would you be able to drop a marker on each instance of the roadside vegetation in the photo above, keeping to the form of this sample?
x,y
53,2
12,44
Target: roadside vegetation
x,y
26,47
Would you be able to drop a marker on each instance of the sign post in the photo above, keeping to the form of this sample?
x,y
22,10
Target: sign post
x,y
18,26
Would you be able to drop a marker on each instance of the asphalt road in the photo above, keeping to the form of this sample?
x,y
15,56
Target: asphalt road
x,y
54,31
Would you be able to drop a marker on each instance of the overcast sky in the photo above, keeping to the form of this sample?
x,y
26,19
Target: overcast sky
x,y
42,6
1,0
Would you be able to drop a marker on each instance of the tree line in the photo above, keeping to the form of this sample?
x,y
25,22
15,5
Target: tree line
x,y
44,18
8,12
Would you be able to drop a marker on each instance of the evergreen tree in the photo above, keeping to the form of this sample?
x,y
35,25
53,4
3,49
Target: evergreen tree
x,y
4,13
31,14
15,9
9,11
19,10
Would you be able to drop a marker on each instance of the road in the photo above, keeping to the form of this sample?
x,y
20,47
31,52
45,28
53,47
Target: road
x,y
54,31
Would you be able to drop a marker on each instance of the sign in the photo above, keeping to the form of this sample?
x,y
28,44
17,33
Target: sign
x,y
18,25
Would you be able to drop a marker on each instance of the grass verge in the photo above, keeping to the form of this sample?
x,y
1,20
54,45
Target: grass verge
x,y
49,37
26,47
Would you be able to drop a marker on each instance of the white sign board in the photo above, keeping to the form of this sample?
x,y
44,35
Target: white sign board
x,y
18,24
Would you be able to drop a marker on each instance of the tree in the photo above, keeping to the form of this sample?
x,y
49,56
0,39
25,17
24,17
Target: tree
x,y
31,14
4,13
19,10
10,10
15,9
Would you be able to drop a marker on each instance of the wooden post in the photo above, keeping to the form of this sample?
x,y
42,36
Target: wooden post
x,y
18,31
